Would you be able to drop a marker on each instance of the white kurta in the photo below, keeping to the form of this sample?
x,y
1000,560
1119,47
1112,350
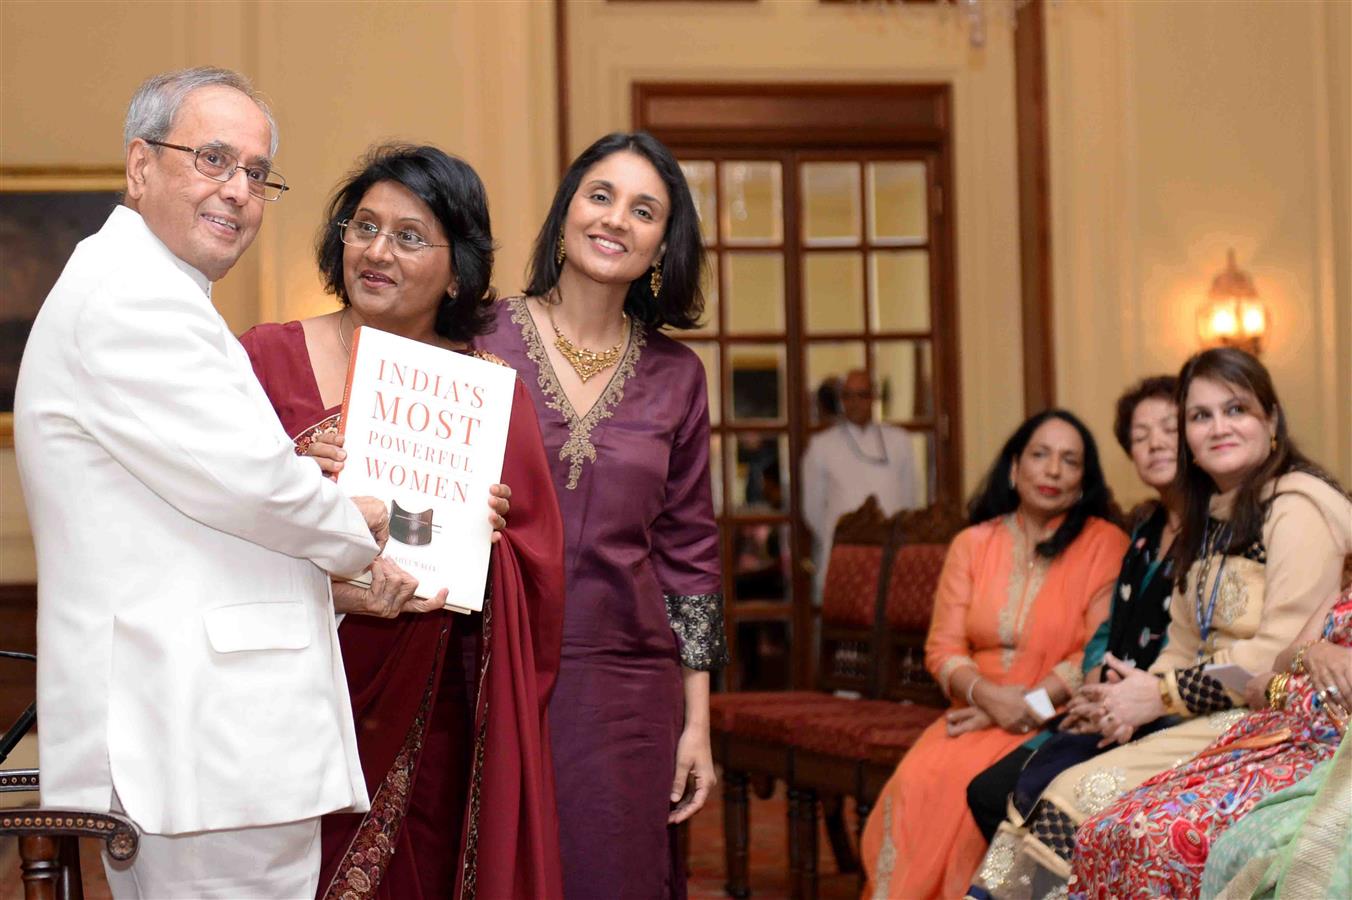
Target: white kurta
x,y
842,467
187,652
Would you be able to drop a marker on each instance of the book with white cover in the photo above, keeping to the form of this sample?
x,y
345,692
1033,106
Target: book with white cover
x,y
1235,678
1041,703
425,430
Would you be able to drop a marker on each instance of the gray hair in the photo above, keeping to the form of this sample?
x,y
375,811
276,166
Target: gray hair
x,y
156,103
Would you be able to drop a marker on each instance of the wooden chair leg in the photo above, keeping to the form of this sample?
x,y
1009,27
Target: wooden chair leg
x,y
795,840
833,812
40,867
736,835
72,880
805,887
861,810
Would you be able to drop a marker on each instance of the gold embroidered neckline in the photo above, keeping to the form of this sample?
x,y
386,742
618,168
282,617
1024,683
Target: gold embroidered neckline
x,y
578,449
1027,571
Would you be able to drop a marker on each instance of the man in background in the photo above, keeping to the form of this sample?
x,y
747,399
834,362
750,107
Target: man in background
x,y
846,463
188,672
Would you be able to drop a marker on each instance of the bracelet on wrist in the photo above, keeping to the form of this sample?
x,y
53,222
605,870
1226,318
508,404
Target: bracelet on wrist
x,y
1276,690
1166,696
970,689
1298,661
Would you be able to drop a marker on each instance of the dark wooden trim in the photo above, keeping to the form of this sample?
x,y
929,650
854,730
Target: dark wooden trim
x,y
16,598
1035,239
18,632
802,115
565,152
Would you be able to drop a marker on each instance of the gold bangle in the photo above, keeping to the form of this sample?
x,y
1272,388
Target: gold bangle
x,y
1276,690
1298,661
1166,695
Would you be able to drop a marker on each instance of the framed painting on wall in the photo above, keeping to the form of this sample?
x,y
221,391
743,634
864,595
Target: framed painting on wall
x,y
44,213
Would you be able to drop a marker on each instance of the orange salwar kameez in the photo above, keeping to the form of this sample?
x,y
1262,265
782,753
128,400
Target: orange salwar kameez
x,y
1017,617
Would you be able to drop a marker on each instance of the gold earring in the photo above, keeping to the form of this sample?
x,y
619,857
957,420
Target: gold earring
x,y
558,256
1274,443
655,279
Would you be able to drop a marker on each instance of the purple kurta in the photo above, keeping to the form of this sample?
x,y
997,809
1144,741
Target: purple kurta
x,y
632,478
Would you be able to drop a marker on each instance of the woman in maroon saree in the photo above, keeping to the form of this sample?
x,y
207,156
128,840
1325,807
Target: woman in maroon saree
x,y
450,709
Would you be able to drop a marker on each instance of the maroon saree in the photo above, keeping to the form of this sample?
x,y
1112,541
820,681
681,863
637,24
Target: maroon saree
x,y
451,710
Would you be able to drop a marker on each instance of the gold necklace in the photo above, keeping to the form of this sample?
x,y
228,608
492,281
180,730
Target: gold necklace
x,y
586,363
342,340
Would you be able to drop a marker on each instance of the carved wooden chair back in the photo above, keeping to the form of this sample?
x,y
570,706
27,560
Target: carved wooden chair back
x,y
856,571
907,602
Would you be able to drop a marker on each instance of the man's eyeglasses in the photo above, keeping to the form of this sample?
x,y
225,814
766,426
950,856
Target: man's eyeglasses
x,y
364,234
218,165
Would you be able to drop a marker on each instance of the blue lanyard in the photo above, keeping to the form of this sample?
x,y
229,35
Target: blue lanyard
x,y
1204,618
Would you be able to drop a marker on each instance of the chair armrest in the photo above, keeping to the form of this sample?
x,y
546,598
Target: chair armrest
x,y
18,780
117,832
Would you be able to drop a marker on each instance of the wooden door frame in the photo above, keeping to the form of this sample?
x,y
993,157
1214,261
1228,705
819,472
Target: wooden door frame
x,y
772,119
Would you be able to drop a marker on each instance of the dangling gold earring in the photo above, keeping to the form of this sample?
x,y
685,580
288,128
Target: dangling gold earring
x,y
655,279
558,257
1274,443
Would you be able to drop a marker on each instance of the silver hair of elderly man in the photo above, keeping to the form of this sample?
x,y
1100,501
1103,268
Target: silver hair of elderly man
x,y
151,113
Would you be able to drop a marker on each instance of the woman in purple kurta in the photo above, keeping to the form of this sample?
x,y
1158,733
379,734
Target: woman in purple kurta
x,y
643,618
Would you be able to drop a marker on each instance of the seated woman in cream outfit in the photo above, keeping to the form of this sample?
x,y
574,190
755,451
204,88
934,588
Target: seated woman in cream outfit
x,y
1264,535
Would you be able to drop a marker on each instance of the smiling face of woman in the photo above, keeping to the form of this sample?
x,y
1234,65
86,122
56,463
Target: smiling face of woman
x,y
1227,431
617,220
397,287
1048,473
1154,441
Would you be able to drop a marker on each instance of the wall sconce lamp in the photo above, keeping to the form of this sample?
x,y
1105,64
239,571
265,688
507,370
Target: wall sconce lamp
x,y
1233,315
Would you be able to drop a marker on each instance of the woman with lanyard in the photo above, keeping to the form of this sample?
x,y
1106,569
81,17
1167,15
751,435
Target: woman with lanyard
x,y
1263,539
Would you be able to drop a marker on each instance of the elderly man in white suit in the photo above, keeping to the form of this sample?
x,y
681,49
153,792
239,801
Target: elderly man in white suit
x,y
188,665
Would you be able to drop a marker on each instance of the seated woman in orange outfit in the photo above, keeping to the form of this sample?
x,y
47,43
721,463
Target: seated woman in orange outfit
x,y
1022,590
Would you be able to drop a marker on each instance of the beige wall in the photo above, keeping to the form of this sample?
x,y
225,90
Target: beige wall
x,y
612,45
1178,129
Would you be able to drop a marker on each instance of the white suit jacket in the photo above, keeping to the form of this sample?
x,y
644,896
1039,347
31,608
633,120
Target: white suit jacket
x,y
187,652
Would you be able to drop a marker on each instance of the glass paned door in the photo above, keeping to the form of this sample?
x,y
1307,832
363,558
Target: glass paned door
x,y
818,264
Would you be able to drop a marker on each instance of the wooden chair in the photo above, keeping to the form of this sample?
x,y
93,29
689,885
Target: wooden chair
x,y
832,751
49,839
748,752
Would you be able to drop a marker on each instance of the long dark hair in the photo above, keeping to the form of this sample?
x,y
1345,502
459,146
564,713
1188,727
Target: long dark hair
x,y
997,497
681,301
456,196
1243,372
